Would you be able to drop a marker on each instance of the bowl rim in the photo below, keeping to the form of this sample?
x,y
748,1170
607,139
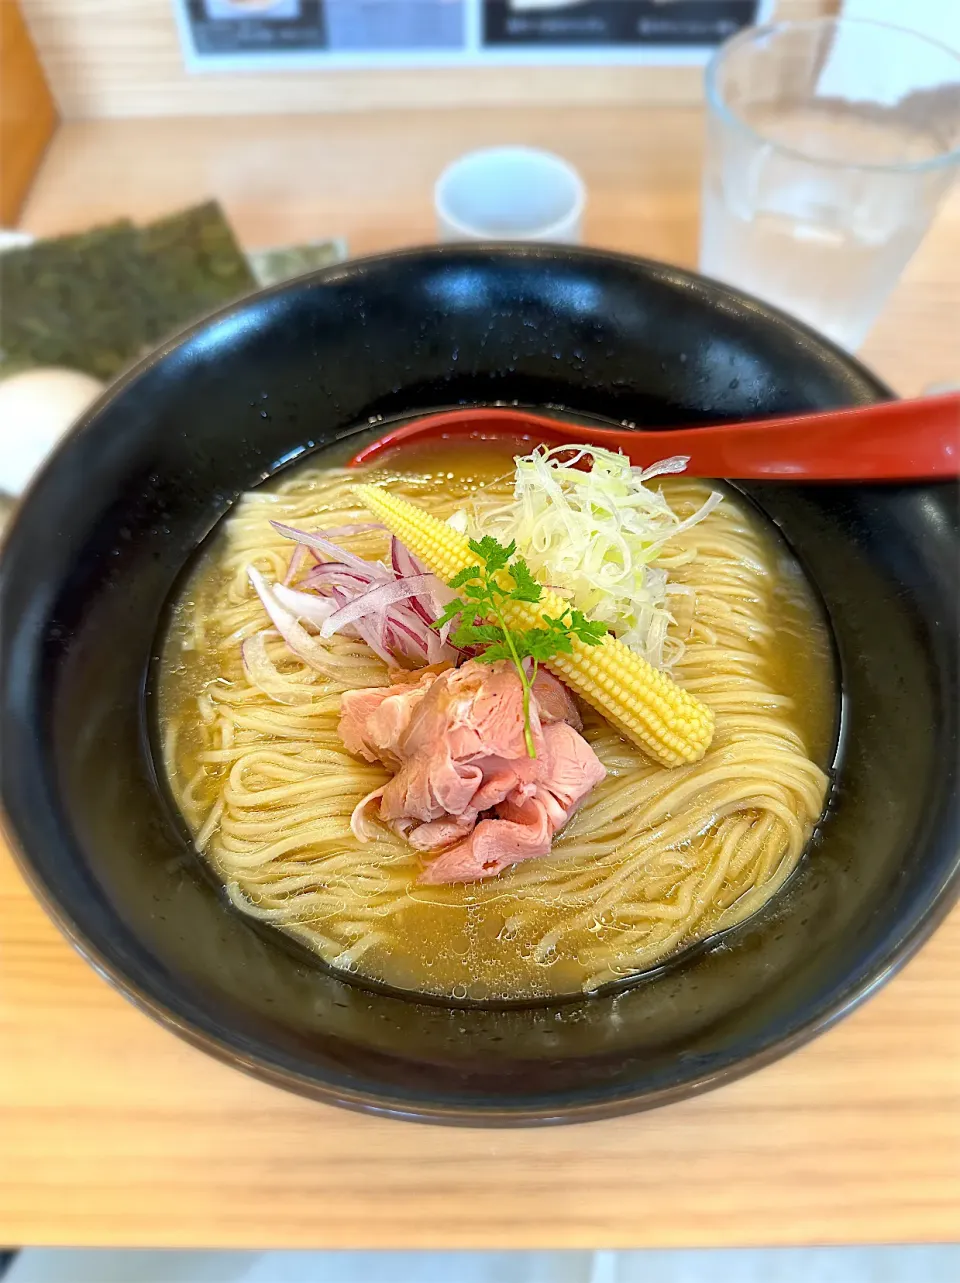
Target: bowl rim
x,y
871,974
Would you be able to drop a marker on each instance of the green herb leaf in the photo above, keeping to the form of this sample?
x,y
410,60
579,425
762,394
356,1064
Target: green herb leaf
x,y
543,643
589,631
494,555
526,587
500,650
484,596
451,611
486,634
464,577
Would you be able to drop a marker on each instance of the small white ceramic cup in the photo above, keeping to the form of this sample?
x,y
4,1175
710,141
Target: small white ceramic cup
x,y
509,194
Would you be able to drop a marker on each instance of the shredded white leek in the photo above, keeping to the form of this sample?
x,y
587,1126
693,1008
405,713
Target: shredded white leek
x,y
596,536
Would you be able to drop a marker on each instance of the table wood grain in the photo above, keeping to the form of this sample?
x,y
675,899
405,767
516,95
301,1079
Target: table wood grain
x,y
113,1132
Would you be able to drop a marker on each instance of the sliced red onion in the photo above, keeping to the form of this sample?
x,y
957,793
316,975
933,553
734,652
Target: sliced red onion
x,y
319,544
438,651
444,632
375,600
371,631
407,566
419,639
440,595
300,554
368,630
304,605
292,632
391,608
404,562
332,572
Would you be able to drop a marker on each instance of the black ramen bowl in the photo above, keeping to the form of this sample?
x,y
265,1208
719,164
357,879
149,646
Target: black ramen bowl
x,y
107,528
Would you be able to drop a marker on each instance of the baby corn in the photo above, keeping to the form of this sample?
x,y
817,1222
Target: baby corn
x,y
643,703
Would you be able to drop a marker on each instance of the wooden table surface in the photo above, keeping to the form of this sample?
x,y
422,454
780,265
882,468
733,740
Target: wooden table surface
x,y
113,1132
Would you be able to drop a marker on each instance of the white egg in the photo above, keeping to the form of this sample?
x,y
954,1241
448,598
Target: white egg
x,y
36,409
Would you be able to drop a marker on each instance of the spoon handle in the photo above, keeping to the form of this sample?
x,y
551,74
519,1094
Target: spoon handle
x,y
887,441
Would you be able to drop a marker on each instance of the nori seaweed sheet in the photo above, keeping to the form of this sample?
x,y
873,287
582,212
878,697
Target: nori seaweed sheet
x,y
99,300
193,265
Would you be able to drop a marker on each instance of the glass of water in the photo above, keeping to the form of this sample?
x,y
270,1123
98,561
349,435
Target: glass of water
x,y
829,146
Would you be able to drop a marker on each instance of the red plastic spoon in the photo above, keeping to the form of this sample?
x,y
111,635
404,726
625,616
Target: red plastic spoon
x,y
890,441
